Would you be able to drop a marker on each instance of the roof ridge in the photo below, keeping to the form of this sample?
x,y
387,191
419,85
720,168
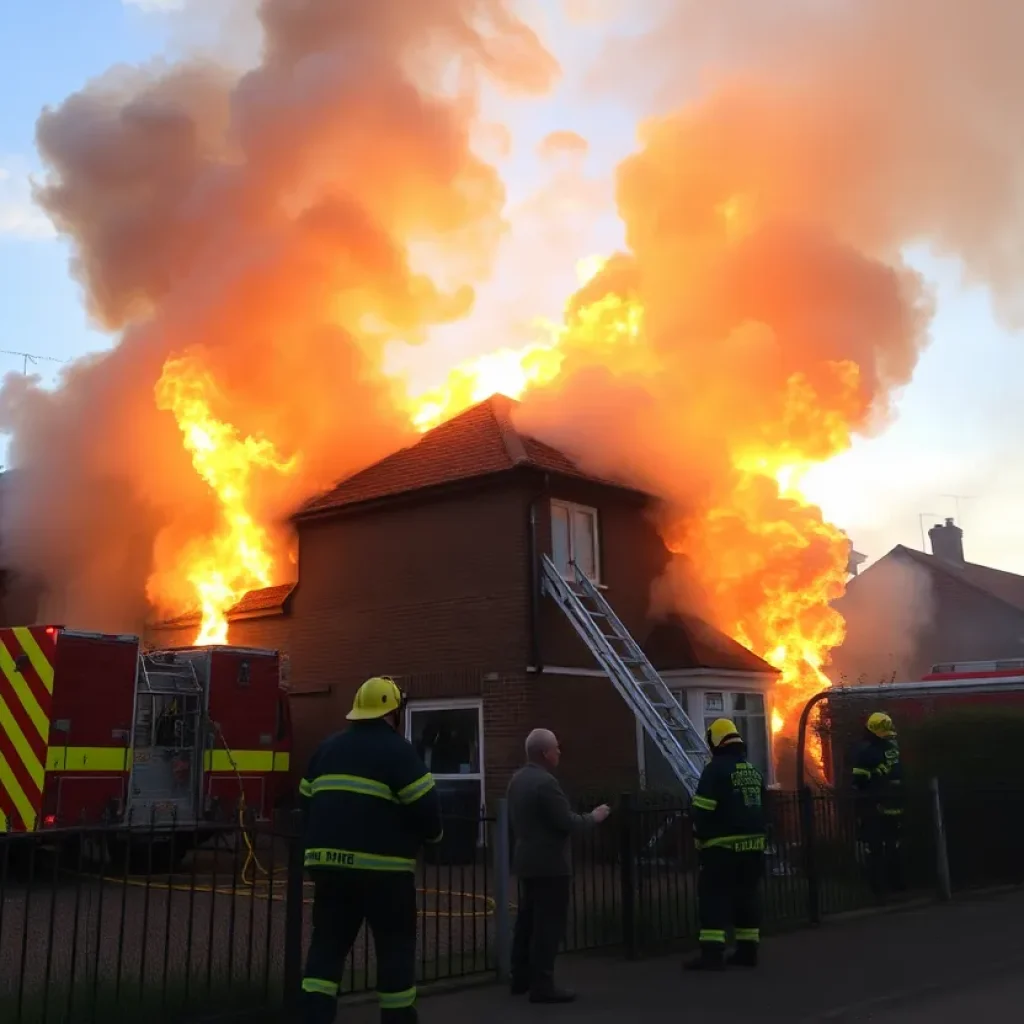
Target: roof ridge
x,y
501,409
950,569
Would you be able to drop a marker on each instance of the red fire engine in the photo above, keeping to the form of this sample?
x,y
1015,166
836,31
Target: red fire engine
x,y
93,729
947,685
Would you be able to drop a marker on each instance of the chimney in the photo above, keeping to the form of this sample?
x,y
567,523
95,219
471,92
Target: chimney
x,y
948,542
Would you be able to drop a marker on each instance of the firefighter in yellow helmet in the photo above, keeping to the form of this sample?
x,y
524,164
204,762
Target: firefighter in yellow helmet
x,y
369,803
878,779
729,823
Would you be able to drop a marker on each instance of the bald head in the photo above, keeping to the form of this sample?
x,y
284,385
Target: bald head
x,y
542,747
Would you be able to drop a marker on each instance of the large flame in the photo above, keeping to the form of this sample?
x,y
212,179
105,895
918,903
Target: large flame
x,y
788,621
237,557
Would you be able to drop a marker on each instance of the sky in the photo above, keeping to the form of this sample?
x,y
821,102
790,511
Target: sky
x,y
948,451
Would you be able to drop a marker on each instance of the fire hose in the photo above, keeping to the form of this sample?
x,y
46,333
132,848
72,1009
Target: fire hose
x,y
273,879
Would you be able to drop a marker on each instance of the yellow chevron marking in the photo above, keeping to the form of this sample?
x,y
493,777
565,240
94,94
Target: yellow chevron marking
x,y
17,794
24,693
10,728
39,660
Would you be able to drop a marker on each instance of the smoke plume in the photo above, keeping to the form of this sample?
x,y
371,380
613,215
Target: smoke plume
x,y
885,619
272,227
763,313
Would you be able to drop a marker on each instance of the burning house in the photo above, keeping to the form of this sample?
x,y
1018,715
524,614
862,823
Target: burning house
x,y
427,565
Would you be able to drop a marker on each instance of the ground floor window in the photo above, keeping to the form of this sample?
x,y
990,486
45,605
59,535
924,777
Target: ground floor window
x,y
448,735
745,708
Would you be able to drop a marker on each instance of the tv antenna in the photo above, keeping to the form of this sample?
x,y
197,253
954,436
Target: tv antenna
x,y
30,357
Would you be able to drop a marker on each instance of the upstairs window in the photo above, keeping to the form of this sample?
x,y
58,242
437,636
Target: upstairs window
x,y
574,539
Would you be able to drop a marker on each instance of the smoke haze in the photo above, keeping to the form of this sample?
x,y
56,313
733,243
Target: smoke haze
x,y
802,147
273,226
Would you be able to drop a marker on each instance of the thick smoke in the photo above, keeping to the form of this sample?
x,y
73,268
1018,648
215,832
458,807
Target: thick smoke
x,y
276,226
766,217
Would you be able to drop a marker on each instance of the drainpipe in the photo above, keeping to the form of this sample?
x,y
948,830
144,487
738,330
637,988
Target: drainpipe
x,y
536,658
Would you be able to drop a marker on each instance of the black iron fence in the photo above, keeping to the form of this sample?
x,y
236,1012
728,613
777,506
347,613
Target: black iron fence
x,y
144,924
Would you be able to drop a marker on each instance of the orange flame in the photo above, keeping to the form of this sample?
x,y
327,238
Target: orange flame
x,y
225,565
765,528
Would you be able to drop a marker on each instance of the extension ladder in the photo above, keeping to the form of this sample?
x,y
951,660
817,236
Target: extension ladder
x,y
653,704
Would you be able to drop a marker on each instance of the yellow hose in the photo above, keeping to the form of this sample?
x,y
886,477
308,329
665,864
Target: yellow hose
x,y
260,872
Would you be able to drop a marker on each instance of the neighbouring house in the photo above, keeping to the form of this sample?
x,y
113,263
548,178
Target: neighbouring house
x,y
911,610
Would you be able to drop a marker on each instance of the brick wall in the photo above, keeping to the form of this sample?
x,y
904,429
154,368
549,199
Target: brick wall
x,y
596,731
437,586
509,714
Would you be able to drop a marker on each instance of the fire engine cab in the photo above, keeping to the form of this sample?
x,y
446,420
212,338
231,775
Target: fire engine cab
x,y
94,729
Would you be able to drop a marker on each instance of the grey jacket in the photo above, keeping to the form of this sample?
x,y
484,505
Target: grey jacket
x,y
542,821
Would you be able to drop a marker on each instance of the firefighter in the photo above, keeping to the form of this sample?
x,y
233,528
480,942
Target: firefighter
x,y
729,823
369,804
878,779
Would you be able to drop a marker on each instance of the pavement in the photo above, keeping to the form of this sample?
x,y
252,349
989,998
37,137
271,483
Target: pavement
x,y
940,964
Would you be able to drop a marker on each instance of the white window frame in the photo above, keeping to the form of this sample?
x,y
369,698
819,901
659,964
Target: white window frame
x,y
458,704
691,698
572,508
453,704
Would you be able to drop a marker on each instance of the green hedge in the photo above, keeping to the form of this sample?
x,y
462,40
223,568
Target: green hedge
x,y
969,747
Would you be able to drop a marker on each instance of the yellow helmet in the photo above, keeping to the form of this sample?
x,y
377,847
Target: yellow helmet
x,y
722,732
376,698
881,725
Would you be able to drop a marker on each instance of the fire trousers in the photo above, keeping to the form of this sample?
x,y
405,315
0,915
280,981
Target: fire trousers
x,y
882,833
342,901
728,896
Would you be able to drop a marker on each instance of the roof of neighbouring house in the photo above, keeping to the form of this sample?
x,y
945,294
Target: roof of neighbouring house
x,y
482,441
1004,586
682,642
254,604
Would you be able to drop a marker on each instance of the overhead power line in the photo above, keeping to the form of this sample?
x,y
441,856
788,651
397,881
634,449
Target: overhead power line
x,y
30,357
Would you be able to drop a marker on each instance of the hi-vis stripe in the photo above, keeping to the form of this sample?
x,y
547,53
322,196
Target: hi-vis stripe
x,y
246,761
26,693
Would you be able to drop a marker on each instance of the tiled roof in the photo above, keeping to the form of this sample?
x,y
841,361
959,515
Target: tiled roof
x,y
685,642
478,442
268,601
1007,587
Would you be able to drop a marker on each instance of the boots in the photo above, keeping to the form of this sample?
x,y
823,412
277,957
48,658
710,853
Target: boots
x,y
710,958
744,955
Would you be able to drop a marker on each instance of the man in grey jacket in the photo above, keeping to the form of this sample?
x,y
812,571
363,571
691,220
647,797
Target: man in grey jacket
x,y
542,823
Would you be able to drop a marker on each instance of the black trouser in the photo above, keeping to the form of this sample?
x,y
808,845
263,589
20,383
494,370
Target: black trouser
x,y
882,833
540,928
342,901
728,897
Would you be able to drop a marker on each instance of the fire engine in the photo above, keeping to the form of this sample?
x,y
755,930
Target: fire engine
x,y
946,685
93,729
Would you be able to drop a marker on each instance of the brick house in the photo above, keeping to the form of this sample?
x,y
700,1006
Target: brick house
x,y
910,610
424,566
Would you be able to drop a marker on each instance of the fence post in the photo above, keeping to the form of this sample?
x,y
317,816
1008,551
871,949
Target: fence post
x,y
941,850
502,891
810,860
293,912
627,873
